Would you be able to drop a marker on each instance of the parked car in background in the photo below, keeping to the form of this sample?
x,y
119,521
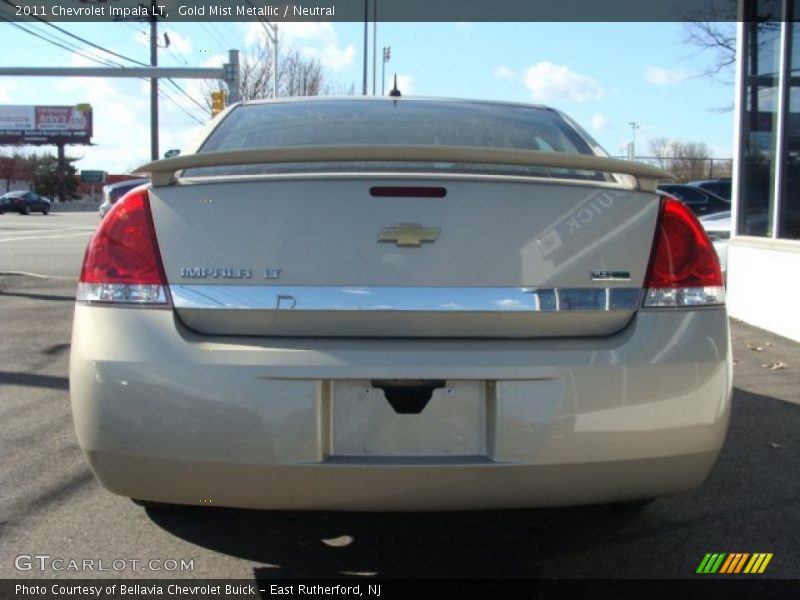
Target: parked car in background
x,y
399,304
719,187
24,202
115,191
700,201
718,228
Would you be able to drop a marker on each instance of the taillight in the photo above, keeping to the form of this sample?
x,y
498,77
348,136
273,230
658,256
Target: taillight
x,y
684,268
122,262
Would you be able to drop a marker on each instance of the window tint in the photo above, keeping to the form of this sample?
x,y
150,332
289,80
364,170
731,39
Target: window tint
x,y
430,123
402,122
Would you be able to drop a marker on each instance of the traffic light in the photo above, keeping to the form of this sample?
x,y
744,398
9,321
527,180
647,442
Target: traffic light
x,y
217,102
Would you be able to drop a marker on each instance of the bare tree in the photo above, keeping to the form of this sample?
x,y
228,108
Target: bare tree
x,y
711,29
717,42
297,75
688,161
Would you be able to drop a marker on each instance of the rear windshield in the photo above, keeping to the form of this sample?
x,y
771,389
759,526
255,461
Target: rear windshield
x,y
394,122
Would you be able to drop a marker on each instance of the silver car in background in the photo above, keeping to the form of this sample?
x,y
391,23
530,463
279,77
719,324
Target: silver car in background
x,y
399,304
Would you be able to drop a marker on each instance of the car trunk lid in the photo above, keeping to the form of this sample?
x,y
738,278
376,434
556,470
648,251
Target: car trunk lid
x,y
429,256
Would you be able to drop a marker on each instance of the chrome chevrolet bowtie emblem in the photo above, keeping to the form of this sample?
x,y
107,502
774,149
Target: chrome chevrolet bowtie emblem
x,y
409,234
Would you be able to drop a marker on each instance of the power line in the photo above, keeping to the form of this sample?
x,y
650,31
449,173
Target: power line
x,y
212,34
73,49
227,43
163,93
189,96
108,64
83,40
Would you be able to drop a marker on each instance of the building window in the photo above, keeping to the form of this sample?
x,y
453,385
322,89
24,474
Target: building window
x,y
789,217
760,119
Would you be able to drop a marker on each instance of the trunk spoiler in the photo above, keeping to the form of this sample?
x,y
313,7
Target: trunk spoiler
x,y
162,172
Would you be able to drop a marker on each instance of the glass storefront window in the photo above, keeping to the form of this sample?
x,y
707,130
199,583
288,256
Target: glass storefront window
x,y
760,119
789,217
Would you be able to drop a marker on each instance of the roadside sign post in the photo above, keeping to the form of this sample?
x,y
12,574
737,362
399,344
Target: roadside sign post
x,y
94,178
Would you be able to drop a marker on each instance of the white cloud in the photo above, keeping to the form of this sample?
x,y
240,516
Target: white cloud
x,y
504,72
313,39
7,89
509,303
659,76
601,123
121,118
547,81
332,55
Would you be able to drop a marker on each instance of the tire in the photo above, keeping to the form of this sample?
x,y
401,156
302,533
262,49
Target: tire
x,y
26,210
46,210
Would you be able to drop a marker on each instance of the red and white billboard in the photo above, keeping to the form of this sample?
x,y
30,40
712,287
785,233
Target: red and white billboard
x,y
45,124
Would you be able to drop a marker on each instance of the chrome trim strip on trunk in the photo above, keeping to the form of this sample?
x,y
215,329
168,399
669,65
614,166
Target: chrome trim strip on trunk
x,y
404,299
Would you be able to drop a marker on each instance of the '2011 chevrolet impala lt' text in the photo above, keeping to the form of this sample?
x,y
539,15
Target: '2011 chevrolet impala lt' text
x,y
399,304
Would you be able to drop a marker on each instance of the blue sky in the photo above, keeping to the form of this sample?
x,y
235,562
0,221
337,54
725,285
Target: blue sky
x,y
604,75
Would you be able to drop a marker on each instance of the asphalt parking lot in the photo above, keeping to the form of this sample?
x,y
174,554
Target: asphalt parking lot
x,y
50,503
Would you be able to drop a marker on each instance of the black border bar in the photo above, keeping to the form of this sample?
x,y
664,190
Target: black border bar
x,y
277,11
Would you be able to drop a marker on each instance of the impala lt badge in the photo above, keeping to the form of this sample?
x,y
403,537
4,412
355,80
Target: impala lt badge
x,y
226,273
215,273
409,234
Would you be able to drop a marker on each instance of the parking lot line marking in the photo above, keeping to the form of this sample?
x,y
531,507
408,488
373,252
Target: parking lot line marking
x,y
46,237
12,232
17,231
36,275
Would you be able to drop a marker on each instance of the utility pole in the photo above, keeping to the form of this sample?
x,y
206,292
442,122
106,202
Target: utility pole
x,y
272,36
387,55
374,45
274,60
632,151
62,167
153,85
366,46
230,72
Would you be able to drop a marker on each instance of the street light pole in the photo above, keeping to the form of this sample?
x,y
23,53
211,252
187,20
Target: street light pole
x,y
366,46
632,152
387,55
271,29
153,86
374,44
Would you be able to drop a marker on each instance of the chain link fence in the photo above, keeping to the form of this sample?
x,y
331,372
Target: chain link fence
x,y
690,169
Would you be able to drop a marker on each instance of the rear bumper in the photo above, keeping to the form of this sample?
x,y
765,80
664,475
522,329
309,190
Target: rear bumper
x,y
163,414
